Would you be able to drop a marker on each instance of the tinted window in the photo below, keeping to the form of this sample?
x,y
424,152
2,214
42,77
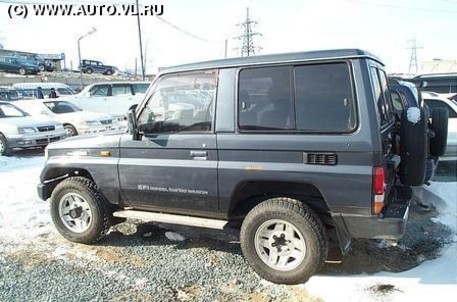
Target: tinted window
x,y
180,103
383,109
140,88
397,101
265,99
439,104
324,99
121,90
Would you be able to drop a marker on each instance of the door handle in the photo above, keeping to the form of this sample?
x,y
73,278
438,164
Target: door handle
x,y
199,155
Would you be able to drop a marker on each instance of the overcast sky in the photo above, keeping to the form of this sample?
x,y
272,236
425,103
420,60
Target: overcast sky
x,y
380,26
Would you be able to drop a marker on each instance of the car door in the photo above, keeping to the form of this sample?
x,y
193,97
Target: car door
x,y
173,168
96,100
122,98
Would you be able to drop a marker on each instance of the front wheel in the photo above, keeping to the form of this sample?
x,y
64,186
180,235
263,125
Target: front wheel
x,y
22,71
284,241
4,149
79,211
70,130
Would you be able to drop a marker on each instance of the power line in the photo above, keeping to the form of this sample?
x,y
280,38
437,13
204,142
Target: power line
x,y
185,31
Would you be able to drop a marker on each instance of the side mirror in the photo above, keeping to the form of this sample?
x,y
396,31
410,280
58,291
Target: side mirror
x,y
132,125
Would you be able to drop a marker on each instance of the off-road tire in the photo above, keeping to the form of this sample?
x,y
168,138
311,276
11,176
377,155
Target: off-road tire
x,y
89,70
109,72
4,148
413,150
304,220
100,223
440,119
22,71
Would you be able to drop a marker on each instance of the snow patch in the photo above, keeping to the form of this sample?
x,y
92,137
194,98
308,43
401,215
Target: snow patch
x,y
413,114
174,236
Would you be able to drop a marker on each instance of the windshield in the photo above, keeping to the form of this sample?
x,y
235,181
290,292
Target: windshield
x,y
59,107
8,110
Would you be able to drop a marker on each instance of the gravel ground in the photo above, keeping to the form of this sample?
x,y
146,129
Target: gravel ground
x,y
139,262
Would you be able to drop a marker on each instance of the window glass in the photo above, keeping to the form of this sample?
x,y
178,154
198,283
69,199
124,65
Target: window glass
x,y
378,96
397,102
180,103
324,98
386,94
265,99
8,110
140,88
121,90
99,91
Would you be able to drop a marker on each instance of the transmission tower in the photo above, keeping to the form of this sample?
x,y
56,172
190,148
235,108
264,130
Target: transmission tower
x,y
247,42
413,64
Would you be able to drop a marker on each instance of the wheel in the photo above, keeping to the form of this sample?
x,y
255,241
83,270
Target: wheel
x,y
41,67
79,211
109,72
284,241
89,70
22,71
70,130
413,148
440,119
4,149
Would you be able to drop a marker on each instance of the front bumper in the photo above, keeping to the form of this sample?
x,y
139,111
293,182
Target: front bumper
x,y
390,224
27,141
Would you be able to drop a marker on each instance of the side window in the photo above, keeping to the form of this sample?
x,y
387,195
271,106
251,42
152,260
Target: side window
x,y
397,101
379,97
99,91
386,94
265,99
63,91
324,98
180,103
121,90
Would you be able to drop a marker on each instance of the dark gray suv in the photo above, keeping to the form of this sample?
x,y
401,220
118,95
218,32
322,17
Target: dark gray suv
x,y
287,148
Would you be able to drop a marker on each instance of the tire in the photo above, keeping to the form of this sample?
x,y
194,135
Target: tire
x,y
41,67
440,119
295,223
4,148
89,70
413,150
87,211
22,71
108,72
70,130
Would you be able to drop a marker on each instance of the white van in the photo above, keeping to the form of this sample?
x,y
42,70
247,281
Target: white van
x,y
29,90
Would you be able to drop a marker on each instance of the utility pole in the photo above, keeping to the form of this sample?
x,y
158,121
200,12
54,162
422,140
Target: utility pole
x,y
247,44
139,36
413,62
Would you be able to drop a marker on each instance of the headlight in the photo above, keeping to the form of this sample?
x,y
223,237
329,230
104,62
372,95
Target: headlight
x,y
93,123
59,126
26,130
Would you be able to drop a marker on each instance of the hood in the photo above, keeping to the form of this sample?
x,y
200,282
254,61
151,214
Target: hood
x,y
29,121
88,142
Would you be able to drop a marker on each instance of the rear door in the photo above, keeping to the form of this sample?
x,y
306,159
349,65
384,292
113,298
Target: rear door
x,y
122,98
173,168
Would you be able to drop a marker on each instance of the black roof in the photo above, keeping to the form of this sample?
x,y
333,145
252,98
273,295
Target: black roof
x,y
275,58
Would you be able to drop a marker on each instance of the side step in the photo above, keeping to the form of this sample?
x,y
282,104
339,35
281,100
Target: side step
x,y
172,219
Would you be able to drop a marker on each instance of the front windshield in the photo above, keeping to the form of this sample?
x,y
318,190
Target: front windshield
x,y
59,107
8,110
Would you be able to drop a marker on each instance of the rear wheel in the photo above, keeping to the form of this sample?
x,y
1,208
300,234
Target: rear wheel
x,y
440,118
284,241
22,71
79,211
41,67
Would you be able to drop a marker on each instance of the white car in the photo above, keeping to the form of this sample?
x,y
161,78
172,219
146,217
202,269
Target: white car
x,y
75,120
434,100
114,98
19,130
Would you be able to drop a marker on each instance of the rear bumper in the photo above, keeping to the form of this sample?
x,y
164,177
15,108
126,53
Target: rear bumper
x,y
44,191
390,224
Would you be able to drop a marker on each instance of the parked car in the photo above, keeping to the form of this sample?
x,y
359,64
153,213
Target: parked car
x,y
8,93
293,147
437,82
29,90
19,130
113,98
35,59
75,120
435,101
13,65
91,66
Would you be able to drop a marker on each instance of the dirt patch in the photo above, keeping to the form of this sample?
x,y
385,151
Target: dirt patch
x,y
30,259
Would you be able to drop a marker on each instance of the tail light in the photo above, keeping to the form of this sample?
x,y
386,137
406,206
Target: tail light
x,y
378,189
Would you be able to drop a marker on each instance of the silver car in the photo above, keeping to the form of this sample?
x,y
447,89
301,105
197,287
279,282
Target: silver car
x,y
19,130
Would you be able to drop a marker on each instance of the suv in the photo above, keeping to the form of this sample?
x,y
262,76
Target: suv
x,y
90,66
35,59
288,148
